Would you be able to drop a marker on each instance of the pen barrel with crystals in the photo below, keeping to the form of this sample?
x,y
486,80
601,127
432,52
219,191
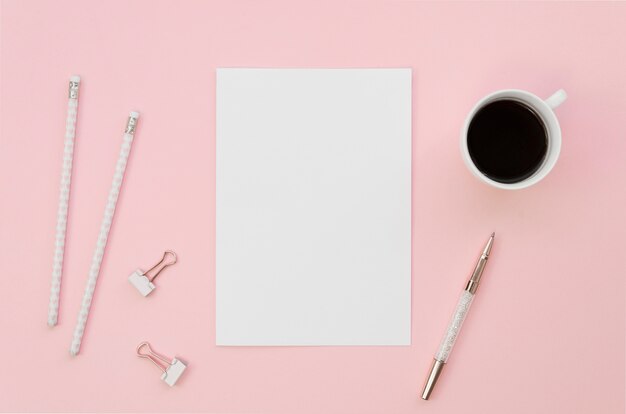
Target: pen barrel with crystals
x,y
449,339
462,308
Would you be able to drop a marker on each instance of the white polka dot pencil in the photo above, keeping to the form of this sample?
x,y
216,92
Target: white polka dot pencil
x,y
64,196
109,211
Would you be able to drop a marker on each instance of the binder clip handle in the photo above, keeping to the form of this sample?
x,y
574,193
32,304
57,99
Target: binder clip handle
x,y
170,262
153,356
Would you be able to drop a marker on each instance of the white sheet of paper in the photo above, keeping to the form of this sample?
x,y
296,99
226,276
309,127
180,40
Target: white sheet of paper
x,y
313,207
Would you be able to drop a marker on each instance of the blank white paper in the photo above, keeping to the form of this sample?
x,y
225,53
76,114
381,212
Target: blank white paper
x,y
313,215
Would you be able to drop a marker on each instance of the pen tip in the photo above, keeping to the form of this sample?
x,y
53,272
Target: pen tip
x,y
487,249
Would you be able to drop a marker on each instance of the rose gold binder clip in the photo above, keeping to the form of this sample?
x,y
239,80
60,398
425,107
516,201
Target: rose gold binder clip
x,y
172,370
142,281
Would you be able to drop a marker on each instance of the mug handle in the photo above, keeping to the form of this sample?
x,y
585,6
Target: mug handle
x,y
556,99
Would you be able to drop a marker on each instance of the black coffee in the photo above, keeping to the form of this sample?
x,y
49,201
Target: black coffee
x,y
507,141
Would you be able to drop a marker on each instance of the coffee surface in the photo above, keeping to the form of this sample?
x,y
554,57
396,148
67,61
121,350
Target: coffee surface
x,y
507,141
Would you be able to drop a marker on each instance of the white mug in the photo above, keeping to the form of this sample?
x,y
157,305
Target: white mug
x,y
544,109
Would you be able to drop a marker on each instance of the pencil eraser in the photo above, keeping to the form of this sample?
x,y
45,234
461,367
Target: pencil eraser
x,y
134,114
141,283
173,373
75,78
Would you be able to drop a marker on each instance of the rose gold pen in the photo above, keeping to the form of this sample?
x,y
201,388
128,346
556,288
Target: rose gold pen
x,y
445,349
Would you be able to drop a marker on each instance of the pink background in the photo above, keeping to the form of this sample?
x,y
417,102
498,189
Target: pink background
x,y
546,333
